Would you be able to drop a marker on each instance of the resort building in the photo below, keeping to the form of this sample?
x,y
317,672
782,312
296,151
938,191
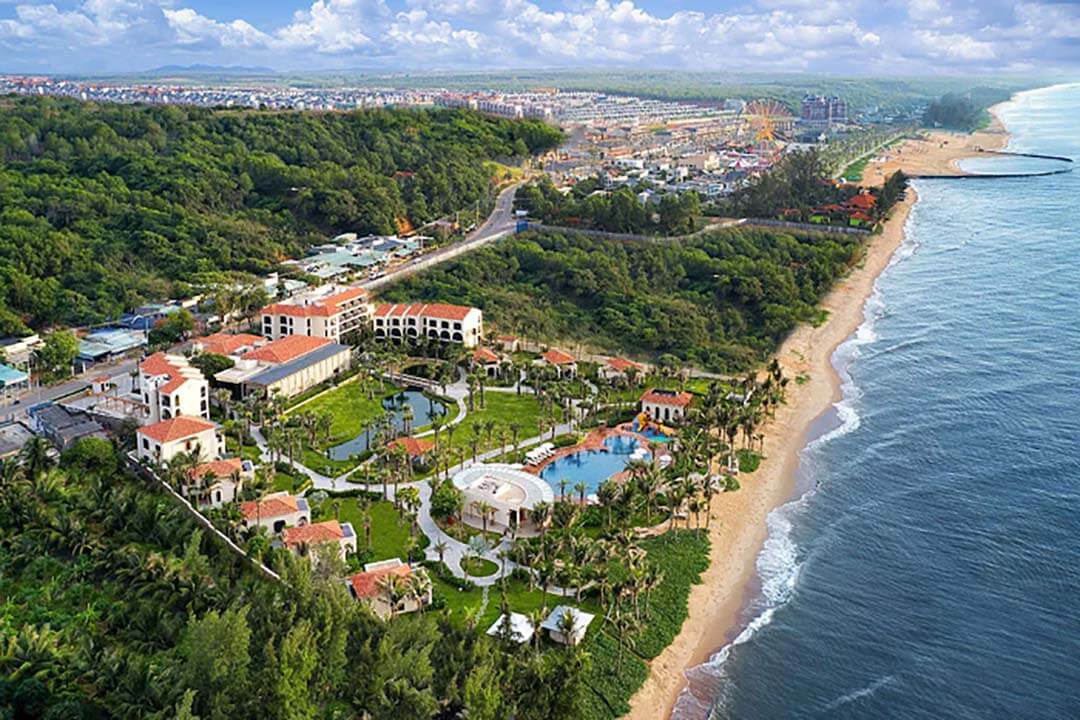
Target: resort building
x,y
486,361
305,538
289,366
162,441
215,483
437,321
508,492
665,406
170,386
508,343
276,511
416,448
330,312
567,632
517,627
617,368
228,343
564,363
391,587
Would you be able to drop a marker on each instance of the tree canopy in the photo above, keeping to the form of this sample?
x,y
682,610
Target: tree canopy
x,y
103,207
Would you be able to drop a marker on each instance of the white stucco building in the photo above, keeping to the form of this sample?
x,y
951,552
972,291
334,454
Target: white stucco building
x,y
330,311
437,321
171,386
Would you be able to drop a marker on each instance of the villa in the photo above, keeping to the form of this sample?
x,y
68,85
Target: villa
x,y
437,321
553,623
307,537
509,492
508,343
289,366
330,312
666,406
486,360
416,448
564,363
163,441
373,586
276,511
171,386
617,368
221,479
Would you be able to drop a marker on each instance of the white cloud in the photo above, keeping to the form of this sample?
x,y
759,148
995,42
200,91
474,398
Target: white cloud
x,y
192,28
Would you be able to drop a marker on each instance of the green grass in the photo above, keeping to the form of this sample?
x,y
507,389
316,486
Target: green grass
x,y
389,532
855,170
479,567
504,409
350,407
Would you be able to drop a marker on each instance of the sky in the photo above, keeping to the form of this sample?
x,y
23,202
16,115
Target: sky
x,y
850,37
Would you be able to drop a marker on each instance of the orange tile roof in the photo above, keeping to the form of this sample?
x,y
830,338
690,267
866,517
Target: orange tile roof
x,y
439,311
485,356
218,468
227,344
176,428
558,357
863,201
667,397
415,447
287,348
622,364
369,584
269,507
158,364
173,385
323,307
313,534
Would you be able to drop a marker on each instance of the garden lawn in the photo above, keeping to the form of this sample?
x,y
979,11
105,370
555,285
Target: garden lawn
x,y
389,532
350,407
504,408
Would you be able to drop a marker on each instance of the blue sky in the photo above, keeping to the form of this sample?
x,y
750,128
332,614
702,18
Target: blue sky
x,y
853,37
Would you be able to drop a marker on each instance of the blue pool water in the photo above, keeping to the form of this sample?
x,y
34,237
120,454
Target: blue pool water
x,y
424,409
592,467
930,568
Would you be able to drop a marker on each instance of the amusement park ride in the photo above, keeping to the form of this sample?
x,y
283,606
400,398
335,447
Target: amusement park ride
x,y
767,122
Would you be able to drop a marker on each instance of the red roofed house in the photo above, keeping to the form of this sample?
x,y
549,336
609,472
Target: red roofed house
x,y
437,321
216,483
289,365
862,201
170,386
162,441
508,343
564,363
330,311
305,538
391,587
486,360
416,448
227,343
276,511
618,368
665,405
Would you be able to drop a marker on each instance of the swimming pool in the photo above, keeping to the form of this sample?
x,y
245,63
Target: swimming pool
x,y
591,467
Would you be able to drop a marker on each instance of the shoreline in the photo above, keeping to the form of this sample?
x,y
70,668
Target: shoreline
x,y
739,527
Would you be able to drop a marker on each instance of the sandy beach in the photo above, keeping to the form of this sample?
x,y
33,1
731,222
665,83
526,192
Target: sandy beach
x,y
937,152
739,519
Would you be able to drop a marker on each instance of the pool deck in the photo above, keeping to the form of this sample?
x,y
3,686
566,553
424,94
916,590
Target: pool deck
x,y
595,441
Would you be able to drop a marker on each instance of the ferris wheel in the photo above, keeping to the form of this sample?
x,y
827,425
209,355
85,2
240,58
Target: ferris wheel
x,y
767,118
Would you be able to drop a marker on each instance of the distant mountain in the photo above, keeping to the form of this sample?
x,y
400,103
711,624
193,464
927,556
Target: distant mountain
x,y
199,69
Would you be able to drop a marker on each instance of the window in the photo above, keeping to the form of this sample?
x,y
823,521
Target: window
x,y
145,444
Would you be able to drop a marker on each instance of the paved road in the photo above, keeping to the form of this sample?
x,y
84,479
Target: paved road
x,y
14,408
499,224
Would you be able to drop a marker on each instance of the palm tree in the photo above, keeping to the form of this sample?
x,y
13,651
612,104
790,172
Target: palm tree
x,y
441,547
407,417
36,456
484,510
567,626
515,428
581,487
394,589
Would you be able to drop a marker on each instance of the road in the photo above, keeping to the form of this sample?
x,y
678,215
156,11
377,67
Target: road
x,y
498,224
14,408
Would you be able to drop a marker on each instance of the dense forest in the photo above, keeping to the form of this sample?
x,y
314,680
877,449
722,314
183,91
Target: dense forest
x,y
721,301
964,112
106,206
115,605
620,210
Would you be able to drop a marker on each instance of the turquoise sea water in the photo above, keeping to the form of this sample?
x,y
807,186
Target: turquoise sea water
x,y
931,566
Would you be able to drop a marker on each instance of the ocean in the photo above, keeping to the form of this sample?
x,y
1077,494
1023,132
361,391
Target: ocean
x,y
930,567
